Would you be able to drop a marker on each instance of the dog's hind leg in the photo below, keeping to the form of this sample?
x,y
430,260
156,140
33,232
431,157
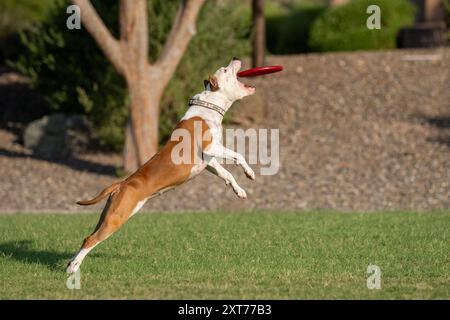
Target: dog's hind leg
x,y
114,215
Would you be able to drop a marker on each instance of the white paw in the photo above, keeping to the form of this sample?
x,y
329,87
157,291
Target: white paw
x,y
250,174
73,267
241,193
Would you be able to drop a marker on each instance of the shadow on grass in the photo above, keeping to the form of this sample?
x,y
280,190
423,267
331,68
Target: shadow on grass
x,y
22,251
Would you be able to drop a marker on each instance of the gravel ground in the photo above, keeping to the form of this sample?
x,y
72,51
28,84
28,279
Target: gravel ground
x,y
358,131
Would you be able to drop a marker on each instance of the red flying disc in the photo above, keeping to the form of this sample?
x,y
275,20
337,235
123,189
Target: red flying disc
x,y
259,71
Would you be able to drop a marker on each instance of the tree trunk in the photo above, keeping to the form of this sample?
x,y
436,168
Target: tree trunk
x,y
434,10
259,33
141,141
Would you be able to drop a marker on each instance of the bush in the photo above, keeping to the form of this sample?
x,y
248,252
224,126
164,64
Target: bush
x,y
17,15
287,31
344,27
73,76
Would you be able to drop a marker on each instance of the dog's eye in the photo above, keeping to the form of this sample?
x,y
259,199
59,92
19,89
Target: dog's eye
x,y
225,70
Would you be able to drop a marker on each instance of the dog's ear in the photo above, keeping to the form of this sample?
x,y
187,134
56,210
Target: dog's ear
x,y
212,82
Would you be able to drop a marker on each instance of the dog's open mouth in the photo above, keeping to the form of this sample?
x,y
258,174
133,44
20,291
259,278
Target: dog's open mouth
x,y
247,86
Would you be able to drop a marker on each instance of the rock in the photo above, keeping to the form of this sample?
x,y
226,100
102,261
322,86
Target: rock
x,y
58,135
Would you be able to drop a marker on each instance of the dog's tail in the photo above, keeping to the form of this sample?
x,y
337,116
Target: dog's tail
x,y
107,191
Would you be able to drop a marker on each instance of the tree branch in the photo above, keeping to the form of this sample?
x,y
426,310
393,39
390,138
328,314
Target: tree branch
x,y
183,29
95,26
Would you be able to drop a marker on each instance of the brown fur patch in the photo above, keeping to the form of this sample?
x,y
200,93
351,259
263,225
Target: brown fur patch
x,y
213,83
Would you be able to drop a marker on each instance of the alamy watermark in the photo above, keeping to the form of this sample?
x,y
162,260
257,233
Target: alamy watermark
x,y
374,20
73,282
260,151
262,145
74,20
374,280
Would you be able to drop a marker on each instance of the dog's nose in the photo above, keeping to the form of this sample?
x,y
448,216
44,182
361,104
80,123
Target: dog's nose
x,y
234,58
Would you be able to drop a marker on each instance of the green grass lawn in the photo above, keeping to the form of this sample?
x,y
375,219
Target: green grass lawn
x,y
245,255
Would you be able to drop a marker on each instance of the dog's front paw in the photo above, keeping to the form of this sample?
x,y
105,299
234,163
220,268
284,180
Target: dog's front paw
x,y
241,193
250,174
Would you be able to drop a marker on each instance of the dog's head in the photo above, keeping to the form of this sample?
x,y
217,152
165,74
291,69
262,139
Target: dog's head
x,y
225,81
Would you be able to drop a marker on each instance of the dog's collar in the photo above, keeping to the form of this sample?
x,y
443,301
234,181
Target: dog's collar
x,y
208,105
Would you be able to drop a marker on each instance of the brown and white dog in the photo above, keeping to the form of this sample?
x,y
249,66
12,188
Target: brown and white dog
x,y
162,173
